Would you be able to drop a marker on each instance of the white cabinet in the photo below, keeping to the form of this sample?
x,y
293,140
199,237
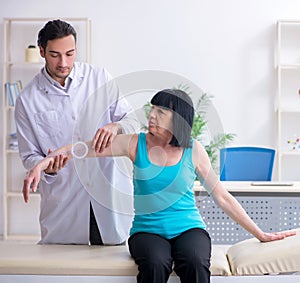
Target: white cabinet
x,y
20,219
288,100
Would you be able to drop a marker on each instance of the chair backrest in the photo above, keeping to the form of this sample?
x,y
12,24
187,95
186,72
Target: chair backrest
x,y
246,163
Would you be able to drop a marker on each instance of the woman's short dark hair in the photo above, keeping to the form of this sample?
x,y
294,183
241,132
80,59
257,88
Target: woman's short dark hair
x,y
53,30
181,104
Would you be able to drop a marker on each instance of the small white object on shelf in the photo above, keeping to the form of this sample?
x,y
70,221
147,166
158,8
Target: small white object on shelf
x,y
32,54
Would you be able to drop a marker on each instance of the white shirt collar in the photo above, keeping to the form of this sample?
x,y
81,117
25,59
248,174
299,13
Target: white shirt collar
x,y
68,79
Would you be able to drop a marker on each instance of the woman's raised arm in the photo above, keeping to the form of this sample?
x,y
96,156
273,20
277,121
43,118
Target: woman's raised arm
x,y
122,145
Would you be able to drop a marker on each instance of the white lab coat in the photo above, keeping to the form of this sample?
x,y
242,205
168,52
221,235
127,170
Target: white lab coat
x,y
46,116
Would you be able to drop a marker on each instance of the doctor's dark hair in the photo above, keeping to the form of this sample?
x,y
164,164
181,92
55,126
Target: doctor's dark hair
x,y
181,104
53,30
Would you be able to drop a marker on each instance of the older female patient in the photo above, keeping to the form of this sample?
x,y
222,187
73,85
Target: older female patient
x,y
168,229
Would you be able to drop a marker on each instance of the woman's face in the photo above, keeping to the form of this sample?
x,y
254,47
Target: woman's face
x,y
160,120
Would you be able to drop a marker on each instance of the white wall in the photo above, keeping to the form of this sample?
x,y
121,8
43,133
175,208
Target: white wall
x,y
225,47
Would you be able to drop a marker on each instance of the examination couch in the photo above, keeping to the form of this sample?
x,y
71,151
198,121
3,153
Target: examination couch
x,y
245,261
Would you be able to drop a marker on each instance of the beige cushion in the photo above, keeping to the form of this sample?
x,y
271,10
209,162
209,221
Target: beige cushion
x,y
16,258
66,260
251,257
219,264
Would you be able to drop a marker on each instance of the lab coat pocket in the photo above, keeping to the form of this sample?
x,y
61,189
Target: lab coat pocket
x,y
47,123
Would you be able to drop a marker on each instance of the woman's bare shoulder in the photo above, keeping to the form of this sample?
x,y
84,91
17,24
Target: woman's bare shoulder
x,y
199,154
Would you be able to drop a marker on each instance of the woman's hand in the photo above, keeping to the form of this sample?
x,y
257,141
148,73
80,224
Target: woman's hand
x,y
50,164
268,237
31,181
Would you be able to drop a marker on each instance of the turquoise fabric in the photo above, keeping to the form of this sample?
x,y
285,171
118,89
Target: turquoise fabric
x,y
164,200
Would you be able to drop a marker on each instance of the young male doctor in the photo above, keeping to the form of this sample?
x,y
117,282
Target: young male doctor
x,y
46,114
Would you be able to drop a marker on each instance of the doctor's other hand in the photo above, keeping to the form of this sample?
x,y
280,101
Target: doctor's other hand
x,y
104,136
50,165
56,164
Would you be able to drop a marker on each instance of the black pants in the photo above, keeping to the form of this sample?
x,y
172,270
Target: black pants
x,y
95,237
190,252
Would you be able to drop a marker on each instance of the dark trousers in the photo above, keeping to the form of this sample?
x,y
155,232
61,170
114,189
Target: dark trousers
x,y
95,237
189,252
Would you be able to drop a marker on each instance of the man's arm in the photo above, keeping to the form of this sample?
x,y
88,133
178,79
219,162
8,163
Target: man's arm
x,y
105,135
124,120
29,150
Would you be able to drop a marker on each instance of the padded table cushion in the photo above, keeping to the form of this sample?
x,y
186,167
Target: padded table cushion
x,y
16,258
219,263
251,257
65,260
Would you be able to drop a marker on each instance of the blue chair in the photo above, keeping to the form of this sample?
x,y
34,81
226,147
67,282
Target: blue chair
x,y
246,163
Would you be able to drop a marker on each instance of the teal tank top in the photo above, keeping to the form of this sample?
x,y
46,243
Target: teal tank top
x,y
164,201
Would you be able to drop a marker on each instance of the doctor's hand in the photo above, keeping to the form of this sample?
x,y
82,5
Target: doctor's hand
x,y
56,164
50,164
105,135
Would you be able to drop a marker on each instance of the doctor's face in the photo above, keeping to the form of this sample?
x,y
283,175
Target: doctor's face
x,y
59,55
